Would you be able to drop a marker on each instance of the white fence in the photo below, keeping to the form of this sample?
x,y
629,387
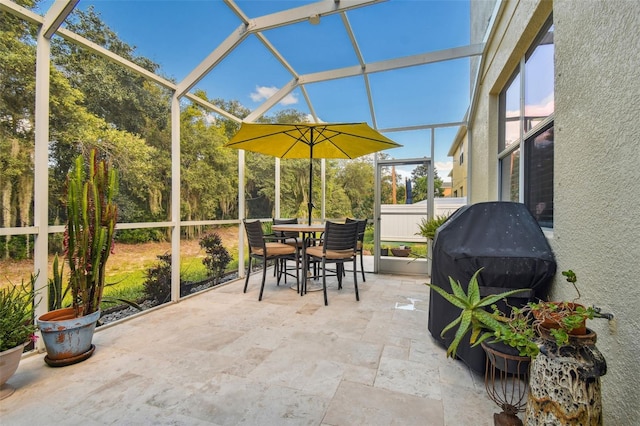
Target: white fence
x,y
400,222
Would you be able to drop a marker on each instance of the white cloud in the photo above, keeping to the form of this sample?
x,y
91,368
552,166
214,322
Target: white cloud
x,y
263,93
444,168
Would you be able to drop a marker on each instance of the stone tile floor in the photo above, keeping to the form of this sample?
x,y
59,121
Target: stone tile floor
x,y
223,358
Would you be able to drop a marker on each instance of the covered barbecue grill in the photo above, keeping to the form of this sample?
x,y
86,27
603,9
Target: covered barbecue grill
x,y
505,240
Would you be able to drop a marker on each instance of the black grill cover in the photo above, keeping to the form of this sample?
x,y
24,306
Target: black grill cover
x,y
505,240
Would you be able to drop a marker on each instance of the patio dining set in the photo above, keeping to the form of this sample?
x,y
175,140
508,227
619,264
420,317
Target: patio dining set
x,y
313,248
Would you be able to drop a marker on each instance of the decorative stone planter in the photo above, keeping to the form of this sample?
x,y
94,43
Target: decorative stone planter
x,y
564,382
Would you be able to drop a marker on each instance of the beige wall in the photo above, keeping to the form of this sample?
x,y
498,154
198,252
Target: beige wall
x,y
459,171
597,147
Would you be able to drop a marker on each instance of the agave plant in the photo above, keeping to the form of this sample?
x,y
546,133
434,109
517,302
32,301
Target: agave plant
x,y
91,221
474,317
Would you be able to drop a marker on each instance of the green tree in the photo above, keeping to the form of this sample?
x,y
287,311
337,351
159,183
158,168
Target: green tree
x,y
356,177
208,171
111,91
420,179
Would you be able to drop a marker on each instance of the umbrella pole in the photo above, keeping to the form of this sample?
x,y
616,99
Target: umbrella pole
x,y
310,206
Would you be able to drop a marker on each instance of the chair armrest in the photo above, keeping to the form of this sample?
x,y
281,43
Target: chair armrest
x,y
309,240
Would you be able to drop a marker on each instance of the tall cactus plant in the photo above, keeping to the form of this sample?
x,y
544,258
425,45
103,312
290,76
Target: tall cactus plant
x,y
91,221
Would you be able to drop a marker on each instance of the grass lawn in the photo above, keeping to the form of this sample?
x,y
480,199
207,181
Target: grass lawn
x,y
127,265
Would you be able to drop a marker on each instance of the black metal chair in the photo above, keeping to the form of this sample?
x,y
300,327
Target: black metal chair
x,y
338,246
291,238
265,248
362,226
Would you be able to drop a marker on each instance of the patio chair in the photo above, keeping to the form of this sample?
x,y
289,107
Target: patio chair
x,y
362,225
265,248
338,246
291,238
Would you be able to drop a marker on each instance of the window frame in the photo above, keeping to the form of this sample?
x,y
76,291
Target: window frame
x,y
505,151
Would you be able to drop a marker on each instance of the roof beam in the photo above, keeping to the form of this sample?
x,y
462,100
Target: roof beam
x,y
56,15
21,12
214,58
212,107
99,50
303,13
393,64
274,20
422,127
269,103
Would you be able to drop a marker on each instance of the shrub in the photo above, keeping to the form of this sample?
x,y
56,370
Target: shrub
x,y
158,283
217,257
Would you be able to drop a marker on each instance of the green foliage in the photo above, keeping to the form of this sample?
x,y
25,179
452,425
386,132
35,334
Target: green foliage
x,y
420,179
522,328
91,221
140,235
353,176
57,290
157,284
428,227
16,314
474,317
217,257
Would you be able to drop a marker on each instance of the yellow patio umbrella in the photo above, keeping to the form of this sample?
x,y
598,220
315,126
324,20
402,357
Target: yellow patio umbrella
x,y
310,140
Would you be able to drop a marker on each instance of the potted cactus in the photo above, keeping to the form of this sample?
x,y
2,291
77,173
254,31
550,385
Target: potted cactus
x,y
91,219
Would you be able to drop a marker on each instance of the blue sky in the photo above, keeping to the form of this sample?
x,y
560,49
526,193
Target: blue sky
x,y
178,35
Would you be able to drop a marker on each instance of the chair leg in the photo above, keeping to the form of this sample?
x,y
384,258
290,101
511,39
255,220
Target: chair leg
x,y
362,266
324,283
340,272
246,281
264,276
355,279
297,271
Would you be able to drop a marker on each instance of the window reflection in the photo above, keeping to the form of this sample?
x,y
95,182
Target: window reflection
x,y
539,168
538,84
511,177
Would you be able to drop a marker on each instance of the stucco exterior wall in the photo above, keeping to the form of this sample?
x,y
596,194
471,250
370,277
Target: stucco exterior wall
x,y
459,171
516,28
597,180
597,165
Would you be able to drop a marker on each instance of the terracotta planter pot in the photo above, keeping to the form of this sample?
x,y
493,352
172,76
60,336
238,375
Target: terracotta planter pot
x,y
398,252
9,361
553,320
67,337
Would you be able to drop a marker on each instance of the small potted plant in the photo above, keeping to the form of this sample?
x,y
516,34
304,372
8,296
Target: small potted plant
x,y
428,227
16,329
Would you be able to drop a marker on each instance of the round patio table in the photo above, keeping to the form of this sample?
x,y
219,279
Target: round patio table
x,y
306,231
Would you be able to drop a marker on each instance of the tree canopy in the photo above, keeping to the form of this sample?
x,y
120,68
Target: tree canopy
x,y
97,103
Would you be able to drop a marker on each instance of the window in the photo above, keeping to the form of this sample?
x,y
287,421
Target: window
x,y
526,131
539,176
461,157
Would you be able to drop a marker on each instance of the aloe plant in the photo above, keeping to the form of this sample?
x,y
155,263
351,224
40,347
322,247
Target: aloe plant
x,y
473,318
91,221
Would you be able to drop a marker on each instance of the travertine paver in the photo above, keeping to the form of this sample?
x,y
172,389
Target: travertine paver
x,y
223,358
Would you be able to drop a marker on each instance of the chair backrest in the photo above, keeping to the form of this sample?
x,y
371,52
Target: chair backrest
x,y
255,236
285,234
340,236
362,226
